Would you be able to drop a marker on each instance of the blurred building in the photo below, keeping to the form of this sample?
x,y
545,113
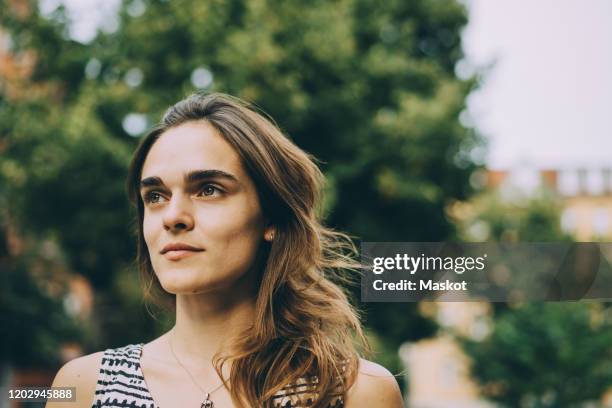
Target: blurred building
x,y
15,68
438,371
586,195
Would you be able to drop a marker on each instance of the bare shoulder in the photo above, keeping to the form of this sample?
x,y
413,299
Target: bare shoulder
x,y
81,373
374,387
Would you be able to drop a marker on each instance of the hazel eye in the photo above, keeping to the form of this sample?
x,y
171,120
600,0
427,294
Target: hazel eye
x,y
209,190
152,197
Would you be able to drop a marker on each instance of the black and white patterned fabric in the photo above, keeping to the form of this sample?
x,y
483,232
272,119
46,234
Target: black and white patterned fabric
x,y
122,384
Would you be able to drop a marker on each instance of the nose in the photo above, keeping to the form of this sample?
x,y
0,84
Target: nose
x,y
178,215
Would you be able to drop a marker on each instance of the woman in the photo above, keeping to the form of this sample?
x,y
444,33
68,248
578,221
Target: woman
x,y
229,238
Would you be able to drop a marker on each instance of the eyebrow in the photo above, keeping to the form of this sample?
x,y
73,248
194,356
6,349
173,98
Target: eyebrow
x,y
191,178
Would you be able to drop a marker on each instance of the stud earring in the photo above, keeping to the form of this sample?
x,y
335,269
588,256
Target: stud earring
x,y
270,236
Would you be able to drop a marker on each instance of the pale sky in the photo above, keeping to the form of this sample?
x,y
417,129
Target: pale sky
x,y
548,100
546,103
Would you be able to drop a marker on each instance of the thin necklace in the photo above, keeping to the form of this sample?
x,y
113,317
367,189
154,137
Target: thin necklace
x,y
207,403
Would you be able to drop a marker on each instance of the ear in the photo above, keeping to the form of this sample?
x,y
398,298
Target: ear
x,y
269,233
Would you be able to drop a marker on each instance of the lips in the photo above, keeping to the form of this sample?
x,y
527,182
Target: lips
x,y
179,246
178,255
177,251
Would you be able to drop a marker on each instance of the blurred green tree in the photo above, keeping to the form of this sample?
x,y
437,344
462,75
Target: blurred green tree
x,y
546,355
368,87
30,316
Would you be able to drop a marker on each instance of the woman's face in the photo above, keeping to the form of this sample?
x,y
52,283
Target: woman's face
x,y
203,222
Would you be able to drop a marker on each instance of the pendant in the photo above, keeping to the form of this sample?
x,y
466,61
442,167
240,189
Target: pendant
x,y
207,403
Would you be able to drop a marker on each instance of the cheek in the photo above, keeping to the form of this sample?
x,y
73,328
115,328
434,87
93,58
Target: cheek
x,y
241,231
148,230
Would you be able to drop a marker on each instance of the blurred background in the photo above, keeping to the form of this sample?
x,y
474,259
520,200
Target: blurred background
x,y
435,120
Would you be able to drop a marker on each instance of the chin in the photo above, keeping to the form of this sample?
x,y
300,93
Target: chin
x,y
182,281
186,289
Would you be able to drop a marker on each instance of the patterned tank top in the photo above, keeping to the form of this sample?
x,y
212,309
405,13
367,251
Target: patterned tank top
x,y
121,384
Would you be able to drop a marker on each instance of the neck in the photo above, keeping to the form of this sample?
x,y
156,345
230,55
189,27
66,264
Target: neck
x,y
207,323
204,328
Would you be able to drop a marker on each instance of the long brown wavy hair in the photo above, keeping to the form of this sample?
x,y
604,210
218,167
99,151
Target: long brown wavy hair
x,y
305,325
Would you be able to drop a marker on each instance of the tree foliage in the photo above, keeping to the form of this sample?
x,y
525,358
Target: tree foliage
x,y
368,87
546,355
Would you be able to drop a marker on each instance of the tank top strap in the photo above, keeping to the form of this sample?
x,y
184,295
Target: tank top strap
x,y
120,381
302,392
